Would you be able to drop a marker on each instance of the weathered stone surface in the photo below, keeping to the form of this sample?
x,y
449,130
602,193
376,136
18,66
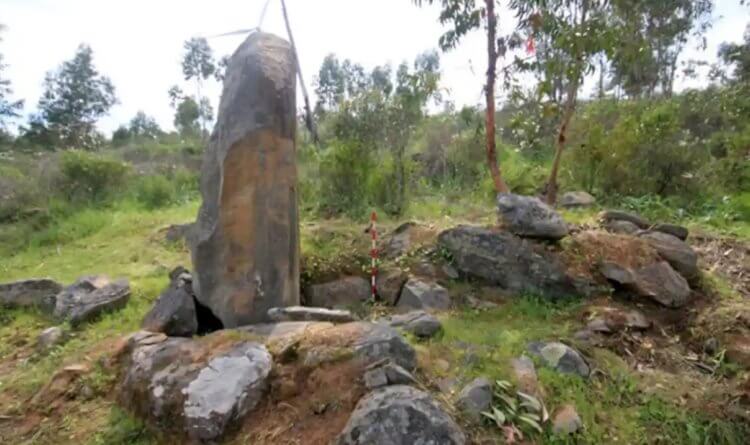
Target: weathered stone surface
x,y
343,292
611,319
524,372
389,285
304,313
285,329
419,323
617,215
560,357
173,314
183,386
566,421
507,261
387,373
475,398
576,199
89,297
376,342
527,216
37,292
620,226
419,294
227,388
679,255
49,338
662,284
246,240
405,238
400,415
672,229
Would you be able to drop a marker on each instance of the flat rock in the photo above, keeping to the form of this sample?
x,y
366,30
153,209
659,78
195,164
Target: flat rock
x,y
566,421
527,216
187,387
525,376
245,245
343,292
284,329
387,373
303,313
508,261
38,292
679,255
560,357
672,229
576,199
419,294
475,398
389,285
400,415
89,297
621,227
617,215
173,314
419,323
662,284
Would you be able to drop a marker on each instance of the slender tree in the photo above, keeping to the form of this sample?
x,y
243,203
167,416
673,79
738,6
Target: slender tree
x,y
465,16
8,108
198,64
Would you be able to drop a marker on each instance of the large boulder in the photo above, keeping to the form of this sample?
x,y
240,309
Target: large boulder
x,y
400,415
39,292
576,199
679,255
245,245
475,398
173,314
340,293
656,281
529,217
187,387
507,261
89,297
418,294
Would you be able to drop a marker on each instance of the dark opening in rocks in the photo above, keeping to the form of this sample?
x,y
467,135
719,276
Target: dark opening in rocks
x,y
207,321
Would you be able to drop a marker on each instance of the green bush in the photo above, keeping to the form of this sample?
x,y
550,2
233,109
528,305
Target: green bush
x,y
344,172
89,177
155,191
18,194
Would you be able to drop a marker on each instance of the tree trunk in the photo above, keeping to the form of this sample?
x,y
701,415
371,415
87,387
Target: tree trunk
x,y
560,146
500,186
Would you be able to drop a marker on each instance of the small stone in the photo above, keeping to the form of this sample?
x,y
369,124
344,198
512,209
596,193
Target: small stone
x,y
375,378
616,215
576,199
622,227
418,294
387,374
50,338
303,313
475,398
566,421
560,357
419,323
525,375
711,346
672,229
529,217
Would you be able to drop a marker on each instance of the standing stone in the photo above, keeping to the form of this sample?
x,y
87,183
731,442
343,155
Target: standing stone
x,y
245,245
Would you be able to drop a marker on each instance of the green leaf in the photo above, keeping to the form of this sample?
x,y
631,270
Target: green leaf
x,y
530,422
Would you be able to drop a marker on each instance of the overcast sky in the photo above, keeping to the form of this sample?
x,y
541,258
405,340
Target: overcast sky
x,y
138,43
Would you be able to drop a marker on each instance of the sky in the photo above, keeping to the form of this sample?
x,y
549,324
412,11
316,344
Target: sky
x,y
138,43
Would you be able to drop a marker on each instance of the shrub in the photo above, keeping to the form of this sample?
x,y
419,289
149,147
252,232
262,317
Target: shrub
x,y
91,177
344,171
155,191
18,194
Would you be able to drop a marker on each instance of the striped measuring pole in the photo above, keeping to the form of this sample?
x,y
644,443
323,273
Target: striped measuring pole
x,y
374,254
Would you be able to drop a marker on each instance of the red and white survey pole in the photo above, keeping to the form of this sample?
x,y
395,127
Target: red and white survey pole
x,y
374,254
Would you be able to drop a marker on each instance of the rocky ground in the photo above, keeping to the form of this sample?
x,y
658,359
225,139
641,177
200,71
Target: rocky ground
x,y
616,330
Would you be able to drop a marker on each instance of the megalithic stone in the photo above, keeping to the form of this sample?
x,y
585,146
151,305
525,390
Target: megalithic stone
x,y
245,246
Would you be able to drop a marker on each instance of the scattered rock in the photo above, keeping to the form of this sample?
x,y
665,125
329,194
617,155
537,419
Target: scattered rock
x,y
475,398
616,215
174,314
389,285
178,232
672,229
576,199
387,373
611,319
89,297
711,346
662,284
36,292
376,342
343,292
620,226
225,389
560,357
303,313
510,262
245,246
419,323
50,338
679,255
400,415
529,217
418,294
525,375
566,421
